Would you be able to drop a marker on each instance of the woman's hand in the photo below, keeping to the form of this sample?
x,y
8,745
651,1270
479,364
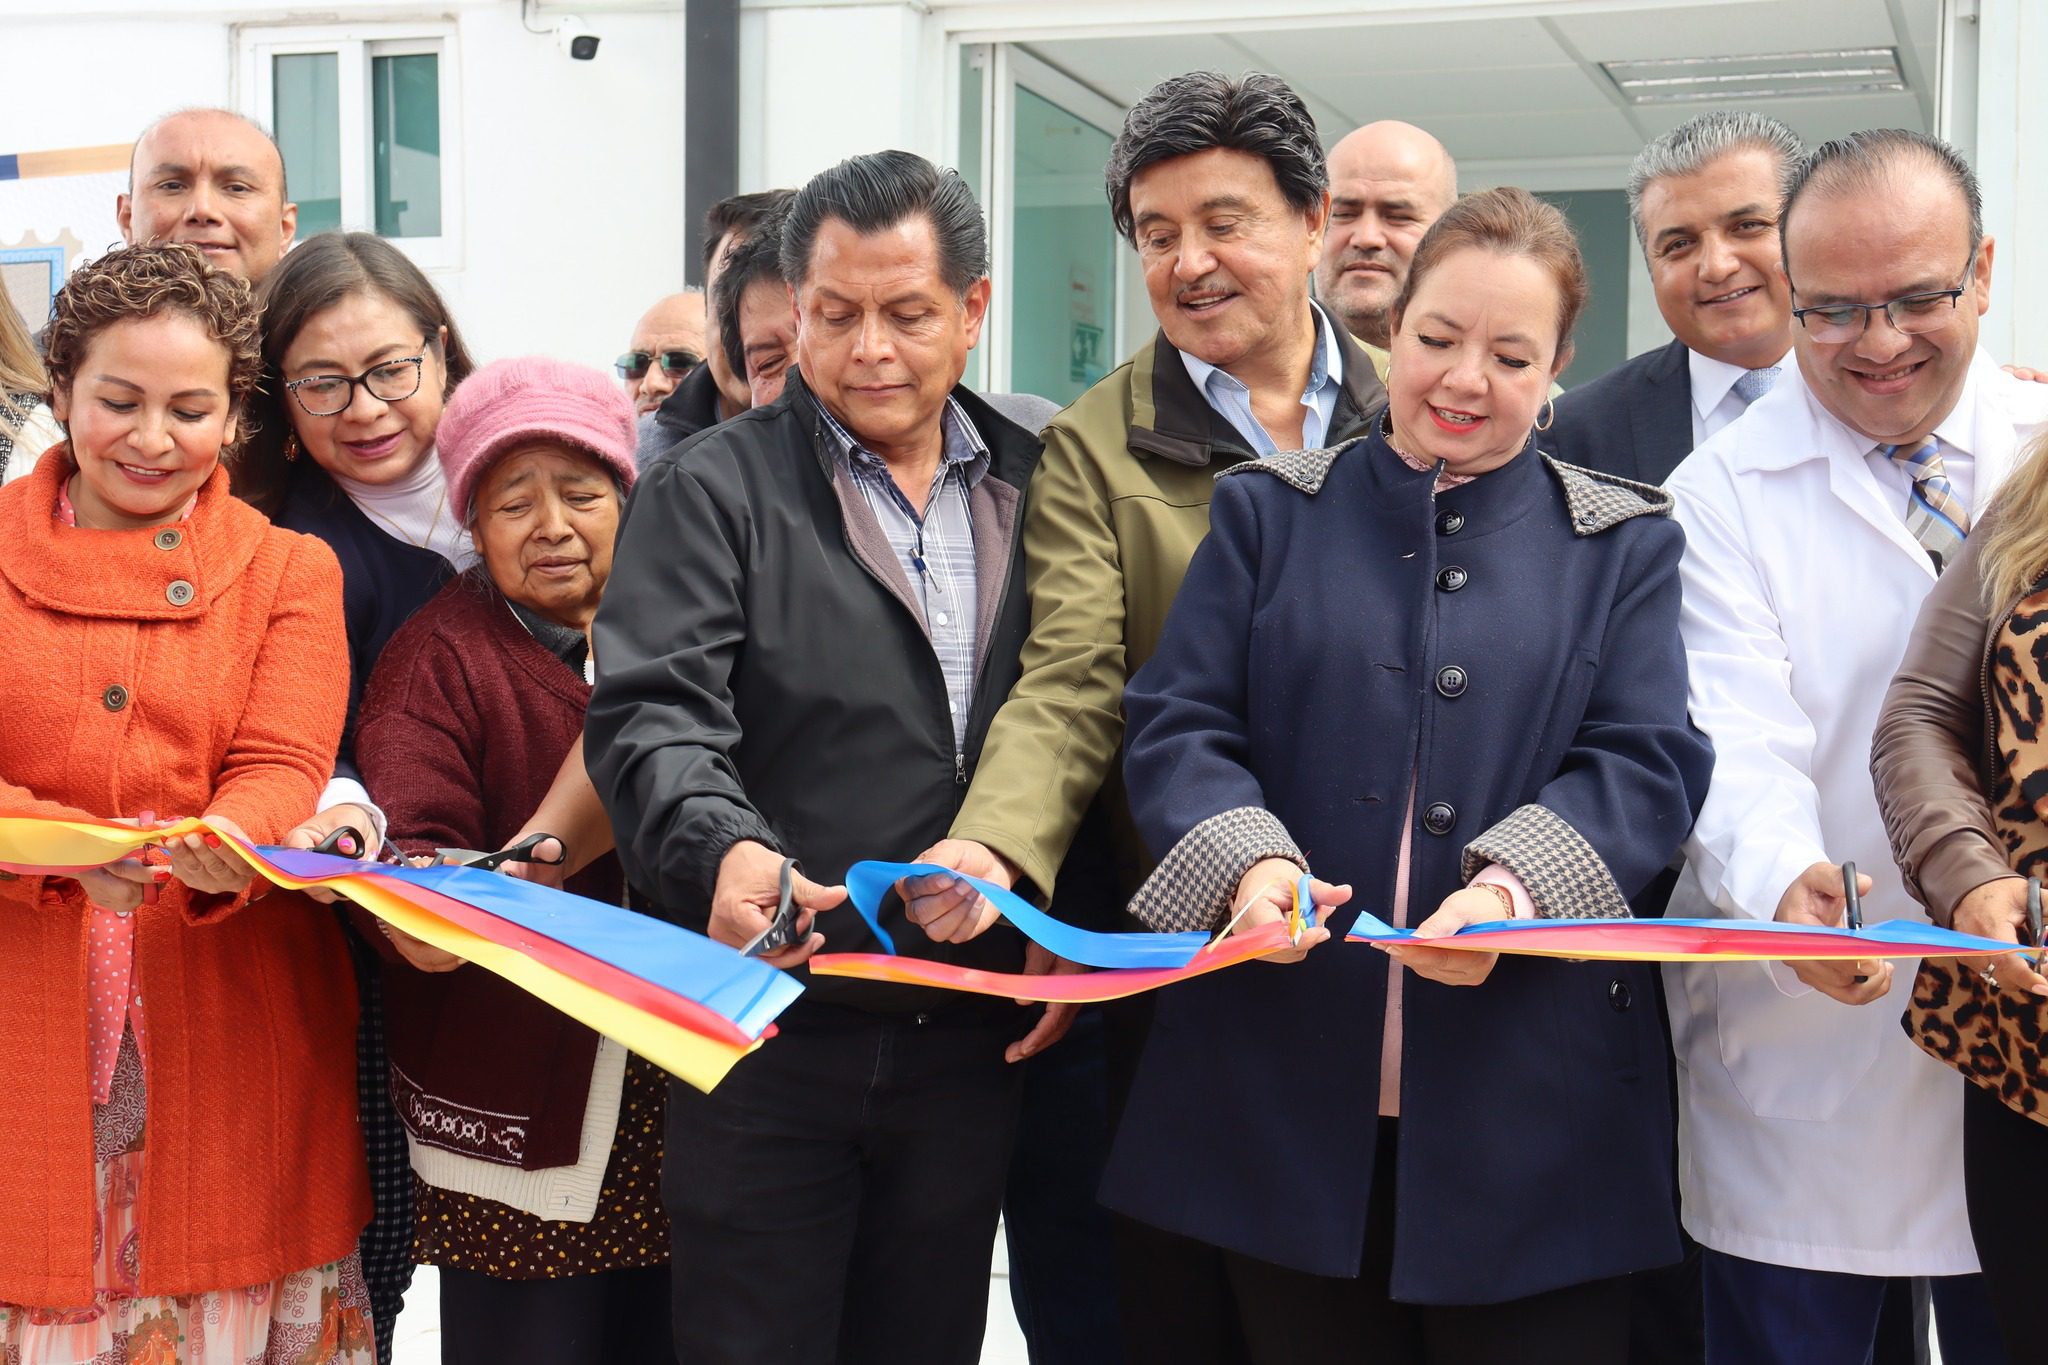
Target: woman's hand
x,y
419,952
1450,966
325,823
118,885
202,861
1998,909
1265,895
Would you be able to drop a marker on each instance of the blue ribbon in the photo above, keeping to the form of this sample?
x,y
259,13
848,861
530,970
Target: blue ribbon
x,y
745,990
869,884
1892,933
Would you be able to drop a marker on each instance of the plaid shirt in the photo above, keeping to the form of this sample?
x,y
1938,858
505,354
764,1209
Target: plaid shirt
x,y
935,546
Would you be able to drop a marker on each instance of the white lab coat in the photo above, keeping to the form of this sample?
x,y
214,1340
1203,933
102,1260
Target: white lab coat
x,y
1811,1133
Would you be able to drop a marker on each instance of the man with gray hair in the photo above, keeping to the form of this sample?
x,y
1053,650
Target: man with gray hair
x,y
1815,525
1704,202
814,613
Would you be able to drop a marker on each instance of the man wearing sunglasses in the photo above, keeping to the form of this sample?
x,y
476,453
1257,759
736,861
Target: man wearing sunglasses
x,y
668,344
1815,524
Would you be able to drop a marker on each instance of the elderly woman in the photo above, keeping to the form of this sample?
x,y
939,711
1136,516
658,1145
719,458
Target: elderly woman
x,y
1961,761
536,1145
1443,666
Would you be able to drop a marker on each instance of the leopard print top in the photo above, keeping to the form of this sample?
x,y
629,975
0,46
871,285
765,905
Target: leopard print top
x,y
1994,1036
2019,699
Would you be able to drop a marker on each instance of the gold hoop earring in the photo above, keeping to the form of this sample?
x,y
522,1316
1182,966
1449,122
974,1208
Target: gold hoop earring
x,y
291,446
1549,414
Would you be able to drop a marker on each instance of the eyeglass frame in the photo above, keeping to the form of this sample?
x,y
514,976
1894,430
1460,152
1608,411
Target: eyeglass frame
x,y
419,367
1954,297
653,358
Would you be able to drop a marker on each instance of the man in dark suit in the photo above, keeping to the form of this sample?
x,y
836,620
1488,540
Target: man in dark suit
x,y
1704,202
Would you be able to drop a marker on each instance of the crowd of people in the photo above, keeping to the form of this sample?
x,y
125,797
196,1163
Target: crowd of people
x,y
1329,583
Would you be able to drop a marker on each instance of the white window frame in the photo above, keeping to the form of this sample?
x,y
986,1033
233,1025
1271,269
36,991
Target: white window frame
x,y
354,45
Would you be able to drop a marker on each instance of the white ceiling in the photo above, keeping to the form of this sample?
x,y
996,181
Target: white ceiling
x,y
1499,90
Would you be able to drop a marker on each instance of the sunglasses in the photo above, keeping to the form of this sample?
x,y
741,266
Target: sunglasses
x,y
675,364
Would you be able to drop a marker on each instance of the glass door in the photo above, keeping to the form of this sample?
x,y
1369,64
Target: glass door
x,y
1034,142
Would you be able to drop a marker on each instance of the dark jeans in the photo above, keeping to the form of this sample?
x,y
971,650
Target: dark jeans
x,y
1289,1317
1062,1253
2004,1154
1759,1314
835,1199
615,1317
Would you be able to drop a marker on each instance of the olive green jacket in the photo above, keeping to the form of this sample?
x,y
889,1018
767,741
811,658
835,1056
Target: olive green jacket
x,y
1116,508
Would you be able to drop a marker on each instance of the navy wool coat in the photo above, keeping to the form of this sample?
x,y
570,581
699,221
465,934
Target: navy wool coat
x,y
1508,651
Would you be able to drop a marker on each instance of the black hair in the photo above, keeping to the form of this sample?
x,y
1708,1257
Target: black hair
x,y
741,213
1183,115
753,261
1866,160
879,190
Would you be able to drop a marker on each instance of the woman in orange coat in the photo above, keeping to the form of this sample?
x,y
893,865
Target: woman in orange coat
x,y
184,1175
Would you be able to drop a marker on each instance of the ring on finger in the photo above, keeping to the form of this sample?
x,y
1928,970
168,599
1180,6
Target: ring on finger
x,y
1990,975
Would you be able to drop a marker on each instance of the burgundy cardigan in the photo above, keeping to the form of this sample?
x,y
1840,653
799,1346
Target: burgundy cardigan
x,y
464,724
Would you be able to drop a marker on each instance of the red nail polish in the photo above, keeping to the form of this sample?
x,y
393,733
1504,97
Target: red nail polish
x,y
213,841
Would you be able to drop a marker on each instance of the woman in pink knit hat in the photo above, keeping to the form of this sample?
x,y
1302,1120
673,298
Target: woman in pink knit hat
x,y
536,1144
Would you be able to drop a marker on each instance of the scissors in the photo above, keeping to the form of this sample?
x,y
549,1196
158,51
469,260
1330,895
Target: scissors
x,y
781,931
521,852
2035,929
1852,905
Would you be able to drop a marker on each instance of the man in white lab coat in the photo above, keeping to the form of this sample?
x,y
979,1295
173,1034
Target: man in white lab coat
x,y
1819,1149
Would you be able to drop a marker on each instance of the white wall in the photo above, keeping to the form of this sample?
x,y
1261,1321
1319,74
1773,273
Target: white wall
x,y
2012,166
572,172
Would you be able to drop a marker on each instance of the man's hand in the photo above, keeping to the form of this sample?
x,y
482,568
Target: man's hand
x,y
1816,898
1265,895
553,874
1058,1017
946,908
748,891
325,823
1451,966
2022,372
1998,909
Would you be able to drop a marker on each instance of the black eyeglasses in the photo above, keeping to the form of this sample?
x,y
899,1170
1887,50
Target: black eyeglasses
x,y
675,364
1912,314
388,381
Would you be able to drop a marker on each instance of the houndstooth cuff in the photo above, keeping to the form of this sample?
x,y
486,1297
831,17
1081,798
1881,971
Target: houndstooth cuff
x,y
1565,877
1194,884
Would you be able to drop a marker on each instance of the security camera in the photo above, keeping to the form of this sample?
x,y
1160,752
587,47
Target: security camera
x,y
576,40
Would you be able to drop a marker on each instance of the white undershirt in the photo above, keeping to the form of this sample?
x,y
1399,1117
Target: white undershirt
x,y
415,510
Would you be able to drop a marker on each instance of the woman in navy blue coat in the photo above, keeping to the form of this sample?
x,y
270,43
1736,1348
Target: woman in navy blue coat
x,y
1441,668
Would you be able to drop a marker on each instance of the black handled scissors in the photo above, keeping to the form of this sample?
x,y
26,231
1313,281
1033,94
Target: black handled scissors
x,y
2035,929
521,852
781,931
1852,905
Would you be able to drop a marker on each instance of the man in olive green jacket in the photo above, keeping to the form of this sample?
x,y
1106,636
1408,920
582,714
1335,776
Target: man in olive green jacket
x,y
1221,186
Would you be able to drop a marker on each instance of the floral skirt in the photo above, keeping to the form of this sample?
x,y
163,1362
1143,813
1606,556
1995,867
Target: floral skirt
x,y
310,1317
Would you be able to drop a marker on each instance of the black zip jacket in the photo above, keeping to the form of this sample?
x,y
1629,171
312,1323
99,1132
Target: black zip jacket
x,y
763,673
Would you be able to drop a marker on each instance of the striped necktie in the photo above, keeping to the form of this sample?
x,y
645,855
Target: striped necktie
x,y
1934,514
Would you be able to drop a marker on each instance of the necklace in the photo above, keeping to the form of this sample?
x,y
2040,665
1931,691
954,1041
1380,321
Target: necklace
x,y
433,523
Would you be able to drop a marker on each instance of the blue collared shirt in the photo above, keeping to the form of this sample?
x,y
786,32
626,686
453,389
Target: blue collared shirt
x,y
1232,399
935,545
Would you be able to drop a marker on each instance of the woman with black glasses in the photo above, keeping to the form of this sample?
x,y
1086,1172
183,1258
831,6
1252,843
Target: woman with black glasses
x,y
359,356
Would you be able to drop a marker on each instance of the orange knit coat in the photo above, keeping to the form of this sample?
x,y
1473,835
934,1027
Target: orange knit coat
x,y
193,669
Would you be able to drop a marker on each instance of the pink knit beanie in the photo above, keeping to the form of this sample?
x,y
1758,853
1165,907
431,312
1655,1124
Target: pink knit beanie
x,y
511,402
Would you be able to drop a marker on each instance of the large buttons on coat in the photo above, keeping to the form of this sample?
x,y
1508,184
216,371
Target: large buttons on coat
x,y
1452,578
1619,996
179,593
1440,818
169,538
1451,680
1449,522
115,698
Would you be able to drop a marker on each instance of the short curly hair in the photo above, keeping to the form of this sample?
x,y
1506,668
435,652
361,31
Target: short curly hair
x,y
144,282
1202,110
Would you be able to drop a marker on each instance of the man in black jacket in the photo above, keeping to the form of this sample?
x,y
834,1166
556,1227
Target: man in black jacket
x,y
816,610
